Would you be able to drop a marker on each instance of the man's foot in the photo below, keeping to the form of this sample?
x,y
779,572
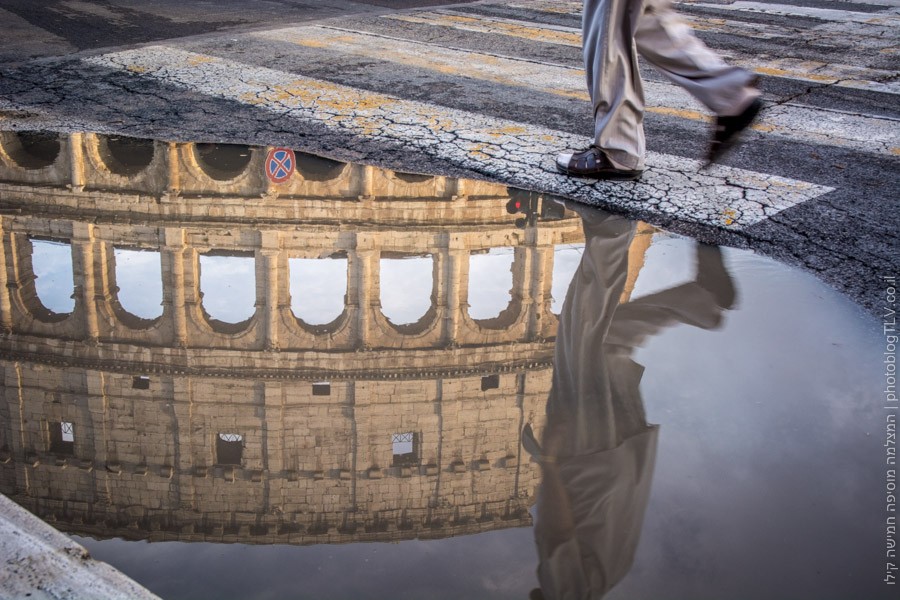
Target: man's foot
x,y
728,130
592,163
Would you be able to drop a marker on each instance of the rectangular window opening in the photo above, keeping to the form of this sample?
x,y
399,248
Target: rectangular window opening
x,y
321,388
140,382
405,448
490,382
229,448
62,438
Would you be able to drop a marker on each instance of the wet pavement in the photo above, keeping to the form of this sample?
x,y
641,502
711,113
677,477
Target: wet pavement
x,y
362,382
492,91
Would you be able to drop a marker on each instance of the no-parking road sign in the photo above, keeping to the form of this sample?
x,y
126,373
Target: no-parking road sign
x,y
280,164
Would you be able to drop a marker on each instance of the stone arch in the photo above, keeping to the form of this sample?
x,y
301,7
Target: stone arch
x,y
31,150
317,168
513,313
486,270
124,156
219,325
126,317
340,319
27,290
426,321
223,162
412,177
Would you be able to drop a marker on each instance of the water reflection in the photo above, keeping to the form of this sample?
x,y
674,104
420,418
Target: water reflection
x,y
228,287
139,282
52,264
323,362
406,288
490,282
318,288
598,451
347,401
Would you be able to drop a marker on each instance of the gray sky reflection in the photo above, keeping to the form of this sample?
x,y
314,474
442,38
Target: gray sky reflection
x,y
318,288
406,285
139,279
228,284
769,480
490,282
52,264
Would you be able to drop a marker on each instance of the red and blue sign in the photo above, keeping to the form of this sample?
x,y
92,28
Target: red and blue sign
x,y
280,164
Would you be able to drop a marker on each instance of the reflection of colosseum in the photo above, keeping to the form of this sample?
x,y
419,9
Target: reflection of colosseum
x,y
271,429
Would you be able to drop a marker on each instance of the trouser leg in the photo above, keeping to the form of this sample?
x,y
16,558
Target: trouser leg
x,y
669,44
581,408
614,83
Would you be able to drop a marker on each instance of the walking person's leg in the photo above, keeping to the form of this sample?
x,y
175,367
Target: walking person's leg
x,y
669,44
614,31
614,83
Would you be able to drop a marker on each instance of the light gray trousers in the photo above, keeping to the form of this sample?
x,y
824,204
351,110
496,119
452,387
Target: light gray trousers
x,y
615,32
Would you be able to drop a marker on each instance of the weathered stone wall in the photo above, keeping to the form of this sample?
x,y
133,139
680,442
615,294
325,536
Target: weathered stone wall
x,y
310,464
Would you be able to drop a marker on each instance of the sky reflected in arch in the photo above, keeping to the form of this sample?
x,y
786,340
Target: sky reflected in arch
x,y
139,279
228,285
490,282
565,262
406,288
318,288
53,271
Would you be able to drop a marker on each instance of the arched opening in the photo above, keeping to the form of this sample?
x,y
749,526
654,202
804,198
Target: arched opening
x,y
413,177
566,258
490,282
125,155
139,281
317,168
223,162
228,287
32,149
51,262
407,285
318,288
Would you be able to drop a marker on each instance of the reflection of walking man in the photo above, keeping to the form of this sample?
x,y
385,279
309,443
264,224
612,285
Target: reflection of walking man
x,y
598,449
615,31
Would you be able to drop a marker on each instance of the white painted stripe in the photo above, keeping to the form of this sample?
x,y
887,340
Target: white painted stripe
x,y
867,134
825,14
803,70
544,33
514,153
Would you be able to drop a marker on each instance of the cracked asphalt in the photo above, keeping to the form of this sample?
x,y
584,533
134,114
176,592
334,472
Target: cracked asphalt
x,y
492,90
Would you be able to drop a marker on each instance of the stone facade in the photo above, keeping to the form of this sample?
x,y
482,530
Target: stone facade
x,y
270,430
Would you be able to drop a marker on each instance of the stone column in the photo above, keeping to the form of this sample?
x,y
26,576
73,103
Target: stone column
x,y
6,320
85,279
540,286
456,268
366,189
76,161
173,168
268,282
173,257
361,294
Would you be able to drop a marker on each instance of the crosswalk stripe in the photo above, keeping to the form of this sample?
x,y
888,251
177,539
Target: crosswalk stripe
x,y
514,153
791,68
888,17
865,133
547,34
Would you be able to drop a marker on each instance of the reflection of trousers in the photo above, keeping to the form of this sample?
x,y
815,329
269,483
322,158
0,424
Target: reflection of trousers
x,y
615,31
595,397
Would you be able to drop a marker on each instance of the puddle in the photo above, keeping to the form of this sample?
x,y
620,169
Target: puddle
x,y
230,377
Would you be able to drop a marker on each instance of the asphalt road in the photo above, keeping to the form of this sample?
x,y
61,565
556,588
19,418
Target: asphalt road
x,y
59,27
493,90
